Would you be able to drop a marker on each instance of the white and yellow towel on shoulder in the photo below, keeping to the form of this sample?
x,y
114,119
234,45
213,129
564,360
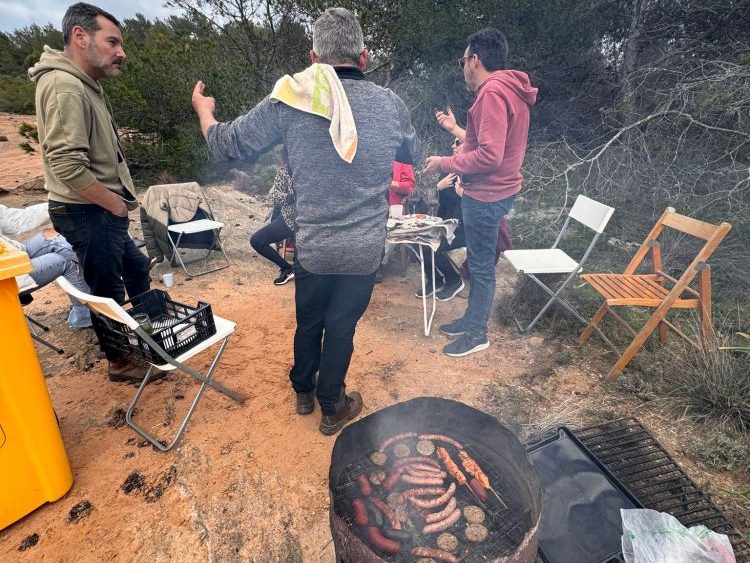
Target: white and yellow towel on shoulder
x,y
318,90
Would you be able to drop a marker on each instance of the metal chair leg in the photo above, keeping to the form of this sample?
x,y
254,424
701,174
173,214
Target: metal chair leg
x,y
206,382
554,296
176,253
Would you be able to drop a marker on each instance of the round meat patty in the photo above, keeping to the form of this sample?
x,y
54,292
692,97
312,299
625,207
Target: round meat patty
x,y
377,477
476,532
379,458
448,542
401,450
474,515
426,447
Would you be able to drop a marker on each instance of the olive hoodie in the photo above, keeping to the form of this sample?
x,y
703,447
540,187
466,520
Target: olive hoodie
x,y
497,130
76,132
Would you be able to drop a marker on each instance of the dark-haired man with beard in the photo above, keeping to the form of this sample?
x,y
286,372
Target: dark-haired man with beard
x,y
89,184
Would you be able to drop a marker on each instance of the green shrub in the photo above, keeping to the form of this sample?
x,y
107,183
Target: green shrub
x,y
16,95
28,131
26,147
721,451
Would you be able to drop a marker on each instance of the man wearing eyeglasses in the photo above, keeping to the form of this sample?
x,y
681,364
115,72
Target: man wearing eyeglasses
x,y
490,167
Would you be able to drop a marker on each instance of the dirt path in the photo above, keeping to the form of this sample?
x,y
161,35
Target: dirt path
x,y
16,167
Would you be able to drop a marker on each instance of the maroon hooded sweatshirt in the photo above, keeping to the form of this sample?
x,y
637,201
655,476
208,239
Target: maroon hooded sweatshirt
x,y
496,133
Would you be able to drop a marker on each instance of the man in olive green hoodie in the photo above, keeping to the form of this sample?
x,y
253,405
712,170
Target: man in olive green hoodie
x,y
85,173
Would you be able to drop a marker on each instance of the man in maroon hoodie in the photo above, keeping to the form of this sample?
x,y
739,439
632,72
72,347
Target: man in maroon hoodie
x,y
490,166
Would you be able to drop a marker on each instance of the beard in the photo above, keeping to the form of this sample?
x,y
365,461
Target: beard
x,y
107,67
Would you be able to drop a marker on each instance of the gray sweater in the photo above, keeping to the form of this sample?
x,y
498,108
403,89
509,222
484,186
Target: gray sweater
x,y
341,208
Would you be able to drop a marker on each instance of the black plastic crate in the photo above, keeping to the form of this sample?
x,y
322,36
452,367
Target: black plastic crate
x,y
176,327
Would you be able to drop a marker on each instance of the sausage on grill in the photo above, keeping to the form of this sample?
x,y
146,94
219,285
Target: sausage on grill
x,y
435,502
438,554
427,481
443,524
396,438
382,543
442,438
364,485
360,512
438,516
385,509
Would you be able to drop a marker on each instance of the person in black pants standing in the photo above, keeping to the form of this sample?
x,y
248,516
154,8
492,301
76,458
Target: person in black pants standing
x,y
280,228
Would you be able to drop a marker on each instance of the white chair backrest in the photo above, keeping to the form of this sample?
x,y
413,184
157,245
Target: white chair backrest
x,y
103,305
591,213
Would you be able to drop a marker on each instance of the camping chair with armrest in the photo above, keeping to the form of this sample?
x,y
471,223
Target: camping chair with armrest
x,y
194,227
534,262
224,329
650,290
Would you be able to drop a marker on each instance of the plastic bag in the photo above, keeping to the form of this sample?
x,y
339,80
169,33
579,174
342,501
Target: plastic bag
x,y
649,536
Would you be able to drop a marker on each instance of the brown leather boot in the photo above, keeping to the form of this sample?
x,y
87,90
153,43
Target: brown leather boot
x,y
330,424
305,402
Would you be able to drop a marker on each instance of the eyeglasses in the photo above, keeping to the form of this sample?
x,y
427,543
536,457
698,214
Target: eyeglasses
x,y
456,143
462,60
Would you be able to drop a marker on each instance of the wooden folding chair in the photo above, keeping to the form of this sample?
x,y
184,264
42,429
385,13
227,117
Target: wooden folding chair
x,y
224,329
651,290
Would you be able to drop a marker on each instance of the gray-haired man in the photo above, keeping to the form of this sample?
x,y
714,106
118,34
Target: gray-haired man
x,y
341,207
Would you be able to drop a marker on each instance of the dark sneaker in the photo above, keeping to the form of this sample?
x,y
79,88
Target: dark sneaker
x,y
330,424
284,277
465,345
449,291
428,289
128,372
453,328
379,274
305,402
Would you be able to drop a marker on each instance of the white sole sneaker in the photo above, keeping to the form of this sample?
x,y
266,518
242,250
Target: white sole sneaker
x,y
451,295
477,348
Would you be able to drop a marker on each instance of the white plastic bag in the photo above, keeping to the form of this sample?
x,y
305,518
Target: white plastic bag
x,y
649,536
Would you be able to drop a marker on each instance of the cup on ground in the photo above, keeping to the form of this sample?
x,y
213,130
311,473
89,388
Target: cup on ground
x,y
168,279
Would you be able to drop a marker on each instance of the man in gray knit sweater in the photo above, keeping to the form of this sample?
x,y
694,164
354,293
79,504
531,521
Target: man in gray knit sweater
x,y
341,207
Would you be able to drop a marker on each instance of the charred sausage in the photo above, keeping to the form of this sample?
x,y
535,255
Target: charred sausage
x,y
416,459
421,492
396,438
438,554
442,438
393,478
364,485
385,509
381,543
360,512
427,481
373,513
435,502
478,489
444,524
398,535
424,468
438,516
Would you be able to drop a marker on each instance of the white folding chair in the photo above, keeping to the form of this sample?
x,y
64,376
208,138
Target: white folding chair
x,y
198,226
224,328
533,262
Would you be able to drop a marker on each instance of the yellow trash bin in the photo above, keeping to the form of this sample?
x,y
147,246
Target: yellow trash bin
x,y
34,468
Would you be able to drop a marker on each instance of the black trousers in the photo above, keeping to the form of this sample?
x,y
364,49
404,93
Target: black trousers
x,y
328,309
442,262
110,261
276,231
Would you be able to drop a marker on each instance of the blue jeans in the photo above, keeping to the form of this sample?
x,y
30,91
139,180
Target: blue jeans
x,y
481,222
51,258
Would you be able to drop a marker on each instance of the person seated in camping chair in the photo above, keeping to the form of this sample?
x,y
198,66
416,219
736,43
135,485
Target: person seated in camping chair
x,y
51,256
280,228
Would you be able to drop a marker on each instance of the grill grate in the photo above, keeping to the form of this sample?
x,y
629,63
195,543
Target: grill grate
x,y
507,526
655,479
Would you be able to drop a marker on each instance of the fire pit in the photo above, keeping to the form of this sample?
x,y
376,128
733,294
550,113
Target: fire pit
x,y
510,512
